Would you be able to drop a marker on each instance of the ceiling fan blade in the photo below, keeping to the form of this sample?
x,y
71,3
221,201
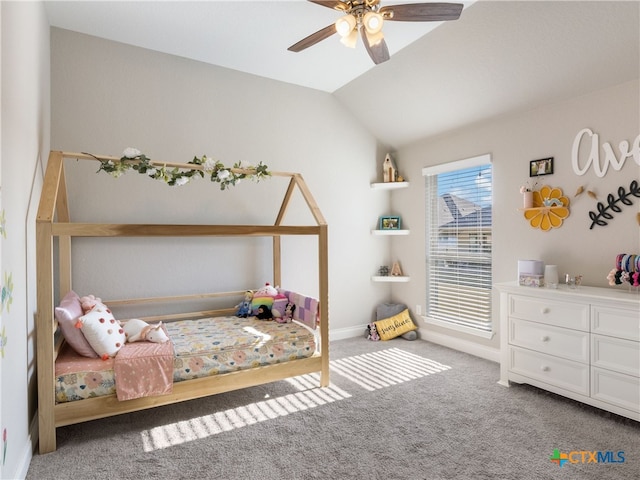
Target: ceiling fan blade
x,y
422,12
335,4
379,52
314,38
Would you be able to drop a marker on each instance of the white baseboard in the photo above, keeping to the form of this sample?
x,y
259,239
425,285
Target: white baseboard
x,y
472,348
26,454
349,332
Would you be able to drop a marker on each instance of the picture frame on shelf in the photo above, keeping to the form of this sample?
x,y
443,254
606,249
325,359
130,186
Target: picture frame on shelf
x,y
390,222
543,166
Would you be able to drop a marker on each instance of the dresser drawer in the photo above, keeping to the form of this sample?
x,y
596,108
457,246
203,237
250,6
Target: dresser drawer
x,y
555,371
560,342
615,354
616,322
616,388
551,312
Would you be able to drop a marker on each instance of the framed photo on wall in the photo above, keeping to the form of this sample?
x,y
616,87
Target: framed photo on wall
x,y
544,166
390,223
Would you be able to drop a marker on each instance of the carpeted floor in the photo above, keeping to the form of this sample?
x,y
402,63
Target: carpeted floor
x,y
394,410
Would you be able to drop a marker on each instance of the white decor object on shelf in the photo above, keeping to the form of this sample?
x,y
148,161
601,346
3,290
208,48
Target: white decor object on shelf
x,y
388,170
581,343
551,278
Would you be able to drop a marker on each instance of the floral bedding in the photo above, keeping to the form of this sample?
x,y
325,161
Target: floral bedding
x,y
202,347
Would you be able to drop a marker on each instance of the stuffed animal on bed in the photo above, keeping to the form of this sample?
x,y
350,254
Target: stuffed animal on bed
x,y
244,308
288,313
264,313
89,302
264,296
136,330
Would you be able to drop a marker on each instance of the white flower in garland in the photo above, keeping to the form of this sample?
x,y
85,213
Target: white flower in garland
x,y
209,164
131,152
180,175
181,181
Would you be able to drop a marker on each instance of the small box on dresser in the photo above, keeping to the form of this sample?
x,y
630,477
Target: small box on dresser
x,y
581,343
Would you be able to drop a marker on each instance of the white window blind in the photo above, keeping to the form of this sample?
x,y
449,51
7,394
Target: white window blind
x,y
458,250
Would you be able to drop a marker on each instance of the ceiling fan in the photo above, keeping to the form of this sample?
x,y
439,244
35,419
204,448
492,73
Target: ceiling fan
x,y
368,17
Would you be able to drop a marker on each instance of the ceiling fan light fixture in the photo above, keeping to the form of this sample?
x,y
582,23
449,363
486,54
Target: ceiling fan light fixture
x,y
350,40
372,21
345,25
366,18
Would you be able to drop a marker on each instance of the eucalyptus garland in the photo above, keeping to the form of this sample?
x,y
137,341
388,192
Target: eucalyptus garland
x,y
133,159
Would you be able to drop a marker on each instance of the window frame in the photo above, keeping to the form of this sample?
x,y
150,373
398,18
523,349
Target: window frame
x,y
483,245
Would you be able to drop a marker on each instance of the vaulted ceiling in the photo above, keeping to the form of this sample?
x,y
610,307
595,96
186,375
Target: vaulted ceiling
x,y
497,58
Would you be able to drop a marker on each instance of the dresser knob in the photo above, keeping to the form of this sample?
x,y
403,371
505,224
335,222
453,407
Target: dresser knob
x,y
544,368
544,338
545,310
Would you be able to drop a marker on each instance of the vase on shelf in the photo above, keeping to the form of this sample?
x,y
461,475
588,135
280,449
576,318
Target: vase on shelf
x,y
551,276
528,199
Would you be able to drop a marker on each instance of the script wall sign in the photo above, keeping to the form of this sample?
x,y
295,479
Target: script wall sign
x,y
601,165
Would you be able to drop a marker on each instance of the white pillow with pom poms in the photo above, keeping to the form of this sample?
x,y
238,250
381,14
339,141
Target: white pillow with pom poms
x,y
102,331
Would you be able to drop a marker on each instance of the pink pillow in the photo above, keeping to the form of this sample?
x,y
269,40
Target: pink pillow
x,y
67,314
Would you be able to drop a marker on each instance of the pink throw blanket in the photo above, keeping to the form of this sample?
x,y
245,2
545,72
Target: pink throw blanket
x,y
144,369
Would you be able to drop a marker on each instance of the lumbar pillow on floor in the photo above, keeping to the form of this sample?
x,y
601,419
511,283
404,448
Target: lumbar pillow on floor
x,y
395,326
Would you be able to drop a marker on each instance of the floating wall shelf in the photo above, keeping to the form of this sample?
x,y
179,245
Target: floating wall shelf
x,y
390,279
389,185
546,217
390,232
381,232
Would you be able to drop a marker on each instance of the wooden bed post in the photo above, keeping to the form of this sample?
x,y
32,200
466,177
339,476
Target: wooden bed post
x,y
277,244
45,326
323,249
64,241
323,273
44,342
277,261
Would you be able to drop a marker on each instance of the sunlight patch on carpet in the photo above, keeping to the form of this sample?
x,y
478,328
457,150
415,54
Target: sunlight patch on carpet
x,y
308,396
370,371
385,368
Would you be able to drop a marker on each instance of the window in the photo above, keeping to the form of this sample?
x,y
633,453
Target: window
x,y
458,250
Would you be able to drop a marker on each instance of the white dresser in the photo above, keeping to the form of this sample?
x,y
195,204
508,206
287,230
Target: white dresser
x,y
581,343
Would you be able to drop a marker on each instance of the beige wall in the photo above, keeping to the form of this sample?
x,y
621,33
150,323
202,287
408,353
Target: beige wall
x,y
548,131
25,143
108,96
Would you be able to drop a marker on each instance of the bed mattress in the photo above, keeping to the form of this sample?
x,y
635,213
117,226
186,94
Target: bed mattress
x,y
202,347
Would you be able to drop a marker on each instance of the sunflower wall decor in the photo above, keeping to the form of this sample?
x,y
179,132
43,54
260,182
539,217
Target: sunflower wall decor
x,y
550,208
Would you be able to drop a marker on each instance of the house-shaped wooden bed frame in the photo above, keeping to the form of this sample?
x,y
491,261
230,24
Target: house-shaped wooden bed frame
x,y
53,222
